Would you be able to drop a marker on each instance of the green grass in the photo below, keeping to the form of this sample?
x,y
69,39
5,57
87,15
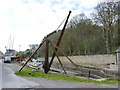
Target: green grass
x,y
26,67
111,81
53,76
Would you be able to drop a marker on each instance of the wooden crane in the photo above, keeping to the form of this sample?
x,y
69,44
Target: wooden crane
x,y
47,64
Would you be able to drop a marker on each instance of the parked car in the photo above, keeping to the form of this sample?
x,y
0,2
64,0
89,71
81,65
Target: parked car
x,y
7,59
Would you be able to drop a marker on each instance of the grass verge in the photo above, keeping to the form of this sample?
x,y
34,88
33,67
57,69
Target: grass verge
x,y
25,68
53,76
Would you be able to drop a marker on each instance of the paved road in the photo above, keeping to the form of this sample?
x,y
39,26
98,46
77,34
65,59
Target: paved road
x,y
0,74
10,80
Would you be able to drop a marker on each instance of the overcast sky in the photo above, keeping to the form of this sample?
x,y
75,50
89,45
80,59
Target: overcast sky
x,y
28,21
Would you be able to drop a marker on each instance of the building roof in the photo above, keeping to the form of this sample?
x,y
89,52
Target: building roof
x,y
118,50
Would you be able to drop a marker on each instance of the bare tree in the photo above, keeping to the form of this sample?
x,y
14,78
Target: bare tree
x,y
104,15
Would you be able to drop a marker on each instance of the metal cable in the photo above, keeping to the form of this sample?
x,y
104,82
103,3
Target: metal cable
x,y
60,24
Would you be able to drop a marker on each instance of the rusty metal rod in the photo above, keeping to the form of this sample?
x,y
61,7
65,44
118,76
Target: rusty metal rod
x,y
63,53
62,32
32,55
58,57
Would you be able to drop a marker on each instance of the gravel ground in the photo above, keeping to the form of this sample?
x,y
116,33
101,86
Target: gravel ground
x,y
45,83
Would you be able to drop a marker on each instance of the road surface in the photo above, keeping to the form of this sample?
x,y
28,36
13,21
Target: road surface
x,y
10,80
0,74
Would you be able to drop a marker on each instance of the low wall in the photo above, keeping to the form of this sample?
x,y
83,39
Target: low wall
x,y
100,62
102,59
88,71
91,59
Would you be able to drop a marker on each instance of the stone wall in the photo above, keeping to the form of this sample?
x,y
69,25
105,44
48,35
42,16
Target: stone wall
x,y
87,71
101,59
84,62
91,59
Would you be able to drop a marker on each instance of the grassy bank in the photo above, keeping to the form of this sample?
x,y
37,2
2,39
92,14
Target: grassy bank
x,y
19,65
53,76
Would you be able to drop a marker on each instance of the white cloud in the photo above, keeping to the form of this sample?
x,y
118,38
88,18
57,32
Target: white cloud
x,y
30,20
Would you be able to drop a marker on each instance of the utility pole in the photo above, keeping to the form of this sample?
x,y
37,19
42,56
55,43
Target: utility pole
x,y
19,47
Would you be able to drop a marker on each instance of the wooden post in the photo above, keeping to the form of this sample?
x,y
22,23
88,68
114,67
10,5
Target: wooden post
x,y
116,59
32,55
89,74
58,58
64,54
59,40
46,63
119,67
